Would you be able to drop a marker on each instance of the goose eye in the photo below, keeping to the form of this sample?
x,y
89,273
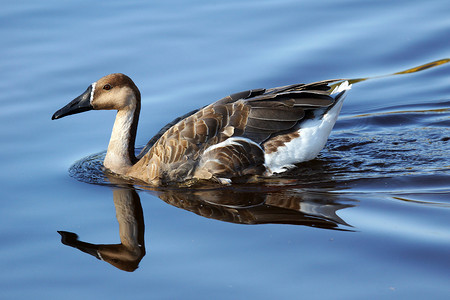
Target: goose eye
x,y
107,87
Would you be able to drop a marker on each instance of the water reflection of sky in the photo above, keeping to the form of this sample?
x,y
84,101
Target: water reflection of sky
x,y
182,56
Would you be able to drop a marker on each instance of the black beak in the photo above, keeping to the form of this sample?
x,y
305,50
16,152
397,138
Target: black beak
x,y
79,104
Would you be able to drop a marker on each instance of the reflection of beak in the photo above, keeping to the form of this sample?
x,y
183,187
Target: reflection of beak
x,y
71,239
79,104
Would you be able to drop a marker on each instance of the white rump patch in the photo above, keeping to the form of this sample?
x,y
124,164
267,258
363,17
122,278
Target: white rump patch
x,y
313,137
344,86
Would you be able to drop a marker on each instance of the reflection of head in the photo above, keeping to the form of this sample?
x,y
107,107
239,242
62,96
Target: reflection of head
x,y
245,204
117,255
126,255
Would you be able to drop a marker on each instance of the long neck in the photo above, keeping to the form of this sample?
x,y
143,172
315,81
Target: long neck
x,y
120,155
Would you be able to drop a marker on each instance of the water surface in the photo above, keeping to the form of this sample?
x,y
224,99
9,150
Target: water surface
x,y
369,216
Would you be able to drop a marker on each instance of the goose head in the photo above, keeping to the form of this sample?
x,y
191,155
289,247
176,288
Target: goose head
x,y
114,91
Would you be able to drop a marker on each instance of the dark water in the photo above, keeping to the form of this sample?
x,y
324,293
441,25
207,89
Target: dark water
x,y
369,218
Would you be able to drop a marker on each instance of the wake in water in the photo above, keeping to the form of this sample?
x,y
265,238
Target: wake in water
x,y
402,150
402,141
407,140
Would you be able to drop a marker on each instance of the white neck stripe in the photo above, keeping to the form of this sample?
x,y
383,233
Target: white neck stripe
x,y
92,91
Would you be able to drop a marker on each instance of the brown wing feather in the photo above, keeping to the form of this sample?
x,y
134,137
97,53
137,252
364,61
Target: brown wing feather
x,y
155,138
254,114
236,159
281,109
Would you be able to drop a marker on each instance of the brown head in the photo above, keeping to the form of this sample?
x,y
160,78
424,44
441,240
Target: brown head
x,y
115,91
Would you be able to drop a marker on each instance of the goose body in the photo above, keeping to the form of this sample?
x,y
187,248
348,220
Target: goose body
x,y
253,133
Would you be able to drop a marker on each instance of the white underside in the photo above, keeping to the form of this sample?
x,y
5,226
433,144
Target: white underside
x,y
313,136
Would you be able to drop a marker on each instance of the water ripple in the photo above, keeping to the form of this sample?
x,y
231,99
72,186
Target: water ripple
x,y
408,146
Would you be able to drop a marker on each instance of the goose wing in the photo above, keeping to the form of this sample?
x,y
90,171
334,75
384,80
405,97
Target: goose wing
x,y
156,137
250,118
280,109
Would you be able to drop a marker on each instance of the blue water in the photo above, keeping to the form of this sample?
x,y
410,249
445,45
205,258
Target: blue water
x,y
382,180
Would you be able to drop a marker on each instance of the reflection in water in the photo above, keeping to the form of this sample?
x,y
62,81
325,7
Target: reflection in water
x,y
126,255
260,205
248,205
350,157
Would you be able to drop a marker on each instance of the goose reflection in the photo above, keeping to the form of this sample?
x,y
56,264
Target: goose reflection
x,y
244,205
126,255
250,204
260,205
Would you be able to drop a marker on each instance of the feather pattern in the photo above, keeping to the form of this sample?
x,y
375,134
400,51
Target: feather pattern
x,y
234,136
242,136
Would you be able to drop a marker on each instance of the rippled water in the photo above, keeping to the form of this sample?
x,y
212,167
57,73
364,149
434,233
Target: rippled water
x,y
368,218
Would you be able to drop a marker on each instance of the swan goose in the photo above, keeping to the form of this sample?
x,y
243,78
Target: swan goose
x,y
245,135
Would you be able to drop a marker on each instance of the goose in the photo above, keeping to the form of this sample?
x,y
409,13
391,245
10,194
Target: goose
x,y
245,136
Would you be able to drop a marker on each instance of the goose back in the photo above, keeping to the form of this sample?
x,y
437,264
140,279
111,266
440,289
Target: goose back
x,y
230,137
